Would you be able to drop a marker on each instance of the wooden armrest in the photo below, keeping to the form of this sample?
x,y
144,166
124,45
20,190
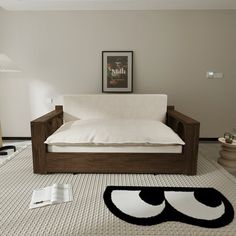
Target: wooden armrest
x,y
180,123
188,129
49,116
41,128
47,124
181,117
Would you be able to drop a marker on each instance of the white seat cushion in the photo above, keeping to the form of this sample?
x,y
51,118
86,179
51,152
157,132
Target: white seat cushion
x,y
114,132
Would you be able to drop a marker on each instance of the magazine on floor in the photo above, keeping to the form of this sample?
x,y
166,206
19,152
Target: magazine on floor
x,y
55,194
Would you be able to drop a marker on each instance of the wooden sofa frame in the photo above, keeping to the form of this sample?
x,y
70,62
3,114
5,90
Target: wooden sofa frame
x,y
158,163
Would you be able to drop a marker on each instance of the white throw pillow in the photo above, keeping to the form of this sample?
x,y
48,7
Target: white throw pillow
x,y
114,132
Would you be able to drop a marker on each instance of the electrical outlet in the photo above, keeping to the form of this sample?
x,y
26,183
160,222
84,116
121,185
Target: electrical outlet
x,y
218,75
214,75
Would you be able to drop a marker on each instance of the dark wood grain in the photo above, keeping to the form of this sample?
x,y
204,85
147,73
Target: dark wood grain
x,y
115,162
41,128
188,129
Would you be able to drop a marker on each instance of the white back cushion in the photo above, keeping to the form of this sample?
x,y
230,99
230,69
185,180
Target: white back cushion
x,y
123,106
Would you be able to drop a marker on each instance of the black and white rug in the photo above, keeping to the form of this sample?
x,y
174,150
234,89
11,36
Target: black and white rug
x,y
205,207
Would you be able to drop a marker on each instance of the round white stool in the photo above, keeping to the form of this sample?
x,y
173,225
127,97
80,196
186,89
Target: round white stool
x,y
227,154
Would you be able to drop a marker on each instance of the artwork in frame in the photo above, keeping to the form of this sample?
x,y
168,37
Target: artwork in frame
x,y
117,71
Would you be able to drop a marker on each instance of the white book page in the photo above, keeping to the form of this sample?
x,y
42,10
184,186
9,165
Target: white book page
x,y
61,193
41,197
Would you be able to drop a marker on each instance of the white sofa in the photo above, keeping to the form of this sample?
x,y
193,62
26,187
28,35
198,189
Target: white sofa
x,y
122,133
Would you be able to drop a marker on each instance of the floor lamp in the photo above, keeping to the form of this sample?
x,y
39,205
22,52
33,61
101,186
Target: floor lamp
x,y
6,65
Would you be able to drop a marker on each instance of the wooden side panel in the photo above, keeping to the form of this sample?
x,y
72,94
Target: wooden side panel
x,y
115,162
188,130
38,133
41,128
190,150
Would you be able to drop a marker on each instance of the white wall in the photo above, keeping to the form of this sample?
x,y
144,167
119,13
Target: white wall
x,y
60,53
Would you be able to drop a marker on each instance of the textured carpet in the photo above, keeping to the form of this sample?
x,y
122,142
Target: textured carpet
x,y
19,147
88,214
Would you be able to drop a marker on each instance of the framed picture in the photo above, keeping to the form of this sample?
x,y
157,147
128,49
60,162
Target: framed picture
x,y
117,71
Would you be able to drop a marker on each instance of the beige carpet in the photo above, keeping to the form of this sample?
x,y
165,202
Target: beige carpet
x,y
87,214
19,147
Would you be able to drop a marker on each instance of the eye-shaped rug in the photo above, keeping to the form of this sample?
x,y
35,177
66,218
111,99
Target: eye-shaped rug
x,y
205,207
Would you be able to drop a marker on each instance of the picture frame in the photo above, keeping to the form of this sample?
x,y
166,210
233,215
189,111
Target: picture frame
x,y
117,71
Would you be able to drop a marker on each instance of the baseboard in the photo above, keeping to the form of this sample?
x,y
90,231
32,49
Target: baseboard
x,y
16,138
208,139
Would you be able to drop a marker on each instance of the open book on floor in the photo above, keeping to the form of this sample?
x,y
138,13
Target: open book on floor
x,y
57,193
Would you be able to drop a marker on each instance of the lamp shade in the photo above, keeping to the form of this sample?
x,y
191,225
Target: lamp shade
x,y
7,65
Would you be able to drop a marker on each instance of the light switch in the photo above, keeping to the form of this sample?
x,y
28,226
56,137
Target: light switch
x,y
49,100
210,74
